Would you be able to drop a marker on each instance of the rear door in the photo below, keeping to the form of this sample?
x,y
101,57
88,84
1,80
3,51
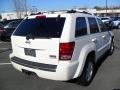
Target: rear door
x,y
81,35
95,35
105,35
38,39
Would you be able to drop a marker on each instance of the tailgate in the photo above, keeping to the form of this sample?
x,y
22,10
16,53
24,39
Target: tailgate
x,y
37,50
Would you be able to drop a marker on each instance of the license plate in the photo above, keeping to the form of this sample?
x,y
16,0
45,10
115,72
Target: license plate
x,y
30,52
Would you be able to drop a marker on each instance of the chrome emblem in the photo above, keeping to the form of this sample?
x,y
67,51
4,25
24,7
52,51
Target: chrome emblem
x,y
28,42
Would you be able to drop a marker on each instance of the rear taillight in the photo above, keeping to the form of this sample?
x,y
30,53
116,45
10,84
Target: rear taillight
x,y
66,50
40,17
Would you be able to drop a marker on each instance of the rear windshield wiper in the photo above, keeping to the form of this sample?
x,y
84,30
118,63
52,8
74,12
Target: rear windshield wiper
x,y
29,36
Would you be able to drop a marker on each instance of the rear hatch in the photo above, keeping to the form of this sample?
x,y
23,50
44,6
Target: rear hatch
x,y
37,39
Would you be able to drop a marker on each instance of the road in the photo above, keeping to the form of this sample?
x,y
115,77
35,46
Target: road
x,y
106,78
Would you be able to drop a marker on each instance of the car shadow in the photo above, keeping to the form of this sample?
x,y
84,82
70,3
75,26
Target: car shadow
x,y
97,66
101,61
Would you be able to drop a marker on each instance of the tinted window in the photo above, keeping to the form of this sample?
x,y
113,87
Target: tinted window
x,y
44,27
93,25
102,26
81,27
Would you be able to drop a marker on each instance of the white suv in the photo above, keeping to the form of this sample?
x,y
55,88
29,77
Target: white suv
x,y
60,46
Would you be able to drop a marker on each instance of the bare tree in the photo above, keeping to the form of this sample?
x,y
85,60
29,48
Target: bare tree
x,y
20,7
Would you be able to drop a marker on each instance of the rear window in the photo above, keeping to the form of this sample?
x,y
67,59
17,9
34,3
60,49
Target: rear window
x,y
81,27
44,27
93,25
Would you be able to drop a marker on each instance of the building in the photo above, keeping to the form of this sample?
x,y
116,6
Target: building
x,y
9,15
109,12
103,12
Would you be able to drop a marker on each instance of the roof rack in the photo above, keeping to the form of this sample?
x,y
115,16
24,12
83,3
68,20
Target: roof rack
x,y
77,11
64,11
86,12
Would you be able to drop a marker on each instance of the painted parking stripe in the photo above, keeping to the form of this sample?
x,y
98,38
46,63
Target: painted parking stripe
x,y
5,64
5,48
3,42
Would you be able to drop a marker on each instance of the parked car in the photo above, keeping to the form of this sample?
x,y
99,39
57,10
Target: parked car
x,y
107,21
1,26
116,22
61,46
5,22
1,29
8,29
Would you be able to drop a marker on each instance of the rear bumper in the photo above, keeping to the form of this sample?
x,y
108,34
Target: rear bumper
x,y
34,65
62,72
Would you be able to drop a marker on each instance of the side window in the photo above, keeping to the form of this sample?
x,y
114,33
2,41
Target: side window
x,y
102,26
81,27
93,25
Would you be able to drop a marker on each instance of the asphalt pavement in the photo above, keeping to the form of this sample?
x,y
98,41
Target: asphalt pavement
x,y
106,78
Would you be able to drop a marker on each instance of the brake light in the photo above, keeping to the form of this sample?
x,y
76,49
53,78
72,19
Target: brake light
x,y
66,50
39,17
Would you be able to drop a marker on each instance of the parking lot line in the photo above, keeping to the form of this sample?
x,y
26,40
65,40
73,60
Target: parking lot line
x,y
5,48
2,42
5,64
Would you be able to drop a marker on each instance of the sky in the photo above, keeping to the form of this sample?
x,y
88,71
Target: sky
x,y
48,5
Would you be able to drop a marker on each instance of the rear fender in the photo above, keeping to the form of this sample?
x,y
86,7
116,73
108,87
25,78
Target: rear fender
x,y
82,58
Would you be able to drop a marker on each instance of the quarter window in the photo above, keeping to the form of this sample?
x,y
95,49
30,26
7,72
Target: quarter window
x,y
81,27
93,25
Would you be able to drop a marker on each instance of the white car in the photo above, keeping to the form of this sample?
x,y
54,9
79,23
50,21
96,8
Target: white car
x,y
60,46
116,22
107,21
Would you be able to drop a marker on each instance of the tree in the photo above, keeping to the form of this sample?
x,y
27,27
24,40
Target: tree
x,y
20,7
97,7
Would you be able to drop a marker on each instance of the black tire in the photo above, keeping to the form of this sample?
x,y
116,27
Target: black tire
x,y
88,72
111,50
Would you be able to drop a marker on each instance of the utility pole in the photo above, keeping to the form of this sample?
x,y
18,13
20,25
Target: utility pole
x,y
106,7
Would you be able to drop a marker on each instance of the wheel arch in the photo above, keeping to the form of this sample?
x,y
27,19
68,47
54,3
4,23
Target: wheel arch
x,y
88,51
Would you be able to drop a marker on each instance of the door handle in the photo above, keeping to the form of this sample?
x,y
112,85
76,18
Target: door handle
x,y
103,36
94,40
